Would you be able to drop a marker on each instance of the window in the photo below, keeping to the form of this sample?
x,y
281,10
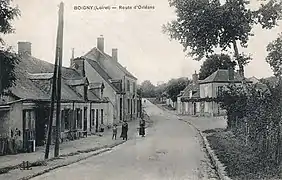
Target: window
x,y
92,117
102,116
134,87
219,91
128,85
120,109
65,123
29,120
134,105
128,105
79,118
85,119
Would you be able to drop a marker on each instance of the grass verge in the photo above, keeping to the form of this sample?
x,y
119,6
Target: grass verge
x,y
239,159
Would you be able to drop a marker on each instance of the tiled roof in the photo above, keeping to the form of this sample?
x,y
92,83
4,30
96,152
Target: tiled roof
x,y
92,96
24,88
101,72
221,75
96,54
76,82
191,87
34,79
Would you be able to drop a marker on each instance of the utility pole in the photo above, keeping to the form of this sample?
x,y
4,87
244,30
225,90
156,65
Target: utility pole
x,y
59,55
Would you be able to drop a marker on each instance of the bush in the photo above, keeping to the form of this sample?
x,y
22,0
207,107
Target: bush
x,y
255,117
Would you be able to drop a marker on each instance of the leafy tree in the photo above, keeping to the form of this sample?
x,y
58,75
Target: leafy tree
x,y
8,60
203,25
274,57
213,63
148,89
160,89
175,86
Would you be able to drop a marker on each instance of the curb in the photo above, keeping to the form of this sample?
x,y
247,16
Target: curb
x,y
219,167
103,149
13,167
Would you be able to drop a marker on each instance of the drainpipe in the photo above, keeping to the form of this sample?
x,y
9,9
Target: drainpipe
x,y
123,98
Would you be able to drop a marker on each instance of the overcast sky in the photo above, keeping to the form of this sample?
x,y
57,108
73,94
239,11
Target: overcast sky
x,y
137,34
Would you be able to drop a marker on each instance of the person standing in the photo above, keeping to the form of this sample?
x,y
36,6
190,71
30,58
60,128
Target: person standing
x,y
126,130
123,131
142,128
114,132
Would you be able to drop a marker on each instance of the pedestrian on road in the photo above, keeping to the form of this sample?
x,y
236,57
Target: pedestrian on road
x,y
114,132
142,128
124,130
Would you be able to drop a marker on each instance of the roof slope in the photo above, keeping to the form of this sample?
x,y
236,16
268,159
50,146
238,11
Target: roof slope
x,y
96,54
221,75
101,72
34,79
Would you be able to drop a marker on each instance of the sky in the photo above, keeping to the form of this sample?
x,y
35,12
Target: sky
x,y
142,47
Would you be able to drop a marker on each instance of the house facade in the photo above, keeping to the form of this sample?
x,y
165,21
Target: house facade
x,y
25,107
197,98
122,85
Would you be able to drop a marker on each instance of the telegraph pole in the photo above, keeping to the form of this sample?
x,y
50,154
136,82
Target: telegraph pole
x,y
59,55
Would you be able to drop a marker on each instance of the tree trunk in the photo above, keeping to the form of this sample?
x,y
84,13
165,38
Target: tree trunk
x,y
236,53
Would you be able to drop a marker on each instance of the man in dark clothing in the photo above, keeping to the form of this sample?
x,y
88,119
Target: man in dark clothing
x,y
124,130
142,128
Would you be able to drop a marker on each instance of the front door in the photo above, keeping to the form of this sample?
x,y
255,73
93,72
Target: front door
x,y
28,128
195,109
97,120
85,119
131,109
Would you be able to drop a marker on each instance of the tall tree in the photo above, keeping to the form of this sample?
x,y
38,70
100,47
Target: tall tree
x,y
8,60
274,57
175,86
213,63
148,89
203,25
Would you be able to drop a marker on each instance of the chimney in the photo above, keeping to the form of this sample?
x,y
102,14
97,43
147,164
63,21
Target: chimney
x,y
195,78
24,48
78,64
230,73
100,43
115,54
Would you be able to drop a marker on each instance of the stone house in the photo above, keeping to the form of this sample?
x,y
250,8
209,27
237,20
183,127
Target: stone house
x,y
120,84
197,98
24,108
185,100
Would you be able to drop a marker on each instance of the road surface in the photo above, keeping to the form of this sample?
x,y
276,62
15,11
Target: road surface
x,y
171,150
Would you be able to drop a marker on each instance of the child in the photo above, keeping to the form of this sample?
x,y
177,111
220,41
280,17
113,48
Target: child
x,y
114,132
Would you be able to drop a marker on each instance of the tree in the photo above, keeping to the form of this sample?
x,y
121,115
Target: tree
x,y
8,60
175,86
148,89
274,57
213,63
203,25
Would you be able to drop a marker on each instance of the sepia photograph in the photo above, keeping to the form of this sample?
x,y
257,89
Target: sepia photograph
x,y
141,89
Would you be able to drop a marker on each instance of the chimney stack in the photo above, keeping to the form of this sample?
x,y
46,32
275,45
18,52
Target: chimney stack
x,y
195,78
100,43
24,48
115,54
231,73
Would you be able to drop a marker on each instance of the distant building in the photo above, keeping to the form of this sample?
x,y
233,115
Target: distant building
x,y
197,98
